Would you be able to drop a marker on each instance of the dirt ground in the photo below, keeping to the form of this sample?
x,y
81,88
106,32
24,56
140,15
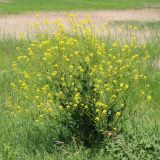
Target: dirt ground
x,y
13,24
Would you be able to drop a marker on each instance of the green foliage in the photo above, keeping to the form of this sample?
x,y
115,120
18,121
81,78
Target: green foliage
x,y
79,74
55,131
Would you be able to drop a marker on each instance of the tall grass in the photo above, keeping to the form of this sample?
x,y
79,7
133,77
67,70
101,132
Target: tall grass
x,y
49,132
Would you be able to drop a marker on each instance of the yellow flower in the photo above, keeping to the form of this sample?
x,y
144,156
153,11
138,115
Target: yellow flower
x,y
36,97
136,77
97,110
81,69
126,86
76,53
60,107
75,105
114,81
114,96
104,111
97,119
62,78
26,75
149,98
86,107
122,84
49,109
56,65
14,65
115,44
145,77
68,107
148,85
142,93
37,120
64,84
13,85
54,73
119,61
118,114
87,59
71,67
122,105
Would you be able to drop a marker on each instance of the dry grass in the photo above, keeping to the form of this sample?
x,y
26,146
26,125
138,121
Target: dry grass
x,y
13,24
157,63
5,1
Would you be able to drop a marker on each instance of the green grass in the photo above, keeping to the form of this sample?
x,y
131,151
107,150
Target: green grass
x,y
19,6
21,140
152,25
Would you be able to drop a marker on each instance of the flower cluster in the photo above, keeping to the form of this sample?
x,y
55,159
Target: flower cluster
x,y
76,73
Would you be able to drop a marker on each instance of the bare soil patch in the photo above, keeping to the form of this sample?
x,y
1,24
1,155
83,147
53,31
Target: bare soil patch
x,y
13,24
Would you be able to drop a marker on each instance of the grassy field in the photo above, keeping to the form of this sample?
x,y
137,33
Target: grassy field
x,y
76,95
141,25
24,139
19,6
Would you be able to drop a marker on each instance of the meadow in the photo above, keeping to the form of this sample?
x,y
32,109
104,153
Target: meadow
x,y
17,6
80,91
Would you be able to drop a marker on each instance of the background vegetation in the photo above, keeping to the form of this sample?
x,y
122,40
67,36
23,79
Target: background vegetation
x,y
19,6
137,135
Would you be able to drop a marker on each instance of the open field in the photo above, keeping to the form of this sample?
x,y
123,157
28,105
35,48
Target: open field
x,y
85,88
19,6
23,139
147,20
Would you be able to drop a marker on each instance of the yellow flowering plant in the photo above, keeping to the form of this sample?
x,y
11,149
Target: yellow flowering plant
x,y
76,73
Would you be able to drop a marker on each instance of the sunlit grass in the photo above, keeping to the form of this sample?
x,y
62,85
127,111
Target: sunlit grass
x,y
19,6
25,137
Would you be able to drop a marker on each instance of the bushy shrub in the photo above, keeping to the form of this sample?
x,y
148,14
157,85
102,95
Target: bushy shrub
x,y
78,74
